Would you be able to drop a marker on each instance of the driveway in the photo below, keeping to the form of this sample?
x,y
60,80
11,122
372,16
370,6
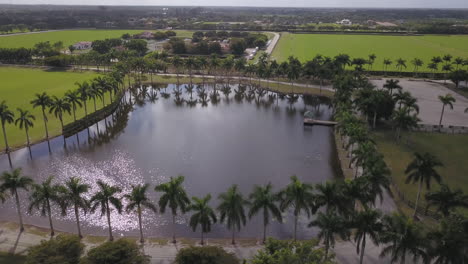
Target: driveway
x,y
430,107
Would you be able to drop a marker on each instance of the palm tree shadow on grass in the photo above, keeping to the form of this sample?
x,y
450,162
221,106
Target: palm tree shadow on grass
x,y
15,246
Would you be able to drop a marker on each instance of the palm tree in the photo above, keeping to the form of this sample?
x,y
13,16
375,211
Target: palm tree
x,y
73,98
84,93
367,224
190,65
446,68
73,194
448,243
330,225
58,106
137,200
448,99
177,63
104,199
231,209
446,199
13,182
175,197
94,92
392,84
371,60
25,120
386,63
433,67
402,119
263,198
360,154
297,195
458,61
422,170
203,215
402,237
447,58
42,196
401,63
329,195
417,62
6,116
43,101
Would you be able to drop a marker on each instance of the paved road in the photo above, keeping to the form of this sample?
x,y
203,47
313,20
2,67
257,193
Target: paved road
x,y
273,43
430,107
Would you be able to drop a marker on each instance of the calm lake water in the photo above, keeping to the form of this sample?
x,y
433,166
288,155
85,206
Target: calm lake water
x,y
247,139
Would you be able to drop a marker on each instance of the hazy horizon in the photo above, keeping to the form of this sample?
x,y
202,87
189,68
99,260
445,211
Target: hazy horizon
x,y
422,4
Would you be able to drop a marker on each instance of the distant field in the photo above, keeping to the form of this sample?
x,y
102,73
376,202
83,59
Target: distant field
x,y
18,88
306,46
69,37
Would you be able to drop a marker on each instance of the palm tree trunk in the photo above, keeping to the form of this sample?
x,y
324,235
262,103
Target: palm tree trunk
x,y
94,99
52,232
264,230
139,223
77,216
295,227
27,135
361,258
202,241
18,208
74,112
417,198
375,119
173,229
233,233
442,115
111,238
85,108
45,123
5,137
327,246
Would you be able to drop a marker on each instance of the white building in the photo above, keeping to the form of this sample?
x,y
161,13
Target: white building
x,y
83,45
345,22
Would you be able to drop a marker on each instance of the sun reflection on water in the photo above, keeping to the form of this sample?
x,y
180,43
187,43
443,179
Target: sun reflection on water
x,y
119,170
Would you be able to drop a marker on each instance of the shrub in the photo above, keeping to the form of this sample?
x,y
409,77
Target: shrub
x,y
122,251
281,252
65,249
205,255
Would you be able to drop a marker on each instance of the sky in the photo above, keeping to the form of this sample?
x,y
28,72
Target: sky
x,y
270,3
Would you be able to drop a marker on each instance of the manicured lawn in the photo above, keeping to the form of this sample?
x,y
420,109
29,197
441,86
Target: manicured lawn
x,y
451,150
18,87
306,46
69,37
6,258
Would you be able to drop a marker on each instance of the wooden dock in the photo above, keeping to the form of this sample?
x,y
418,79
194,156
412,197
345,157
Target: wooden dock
x,y
314,122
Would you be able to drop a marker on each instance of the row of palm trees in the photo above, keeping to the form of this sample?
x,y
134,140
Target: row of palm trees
x,y
338,218
410,239
58,106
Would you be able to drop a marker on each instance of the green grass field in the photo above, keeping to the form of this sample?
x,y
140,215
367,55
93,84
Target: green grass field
x,y
69,37
306,46
451,150
19,85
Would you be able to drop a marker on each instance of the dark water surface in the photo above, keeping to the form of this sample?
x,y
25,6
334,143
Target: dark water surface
x,y
248,140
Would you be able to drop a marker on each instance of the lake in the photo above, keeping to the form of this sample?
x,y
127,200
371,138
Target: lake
x,y
236,137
